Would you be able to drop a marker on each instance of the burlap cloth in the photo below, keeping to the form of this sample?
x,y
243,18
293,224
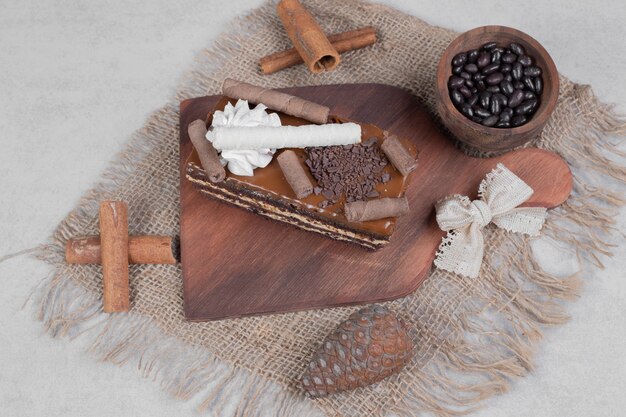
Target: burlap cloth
x,y
472,335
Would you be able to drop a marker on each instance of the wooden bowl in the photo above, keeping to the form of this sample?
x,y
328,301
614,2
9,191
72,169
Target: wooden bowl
x,y
494,140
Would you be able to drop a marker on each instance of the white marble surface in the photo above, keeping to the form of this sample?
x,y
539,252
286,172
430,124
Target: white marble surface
x,y
77,78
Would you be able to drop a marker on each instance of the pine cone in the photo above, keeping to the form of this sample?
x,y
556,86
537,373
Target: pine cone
x,y
368,347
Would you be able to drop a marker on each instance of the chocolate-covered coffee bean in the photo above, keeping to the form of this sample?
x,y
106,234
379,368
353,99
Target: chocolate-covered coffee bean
x,y
485,99
465,91
532,71
495,78
490,121
516,98
466,109
471,68
489,46
504,100
493,89
491,68
455,82
480,112
503,125
538,85
508,77
478,76
472,55
472,100
526,107
529,95
529,83
505,68
509,58
483,59
456,97
507,87
459,59
465,75
525,60
496,56
496,105
518,85
518,120
469,84
506,115
517,49
517,71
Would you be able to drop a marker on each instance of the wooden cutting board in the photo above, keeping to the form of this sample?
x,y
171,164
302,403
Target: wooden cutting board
x,y
236,263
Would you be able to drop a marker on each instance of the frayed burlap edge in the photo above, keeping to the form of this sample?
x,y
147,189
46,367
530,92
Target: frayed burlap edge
x,y
491,340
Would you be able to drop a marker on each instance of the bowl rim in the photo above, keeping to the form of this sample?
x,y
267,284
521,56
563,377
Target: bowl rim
x,y
535,122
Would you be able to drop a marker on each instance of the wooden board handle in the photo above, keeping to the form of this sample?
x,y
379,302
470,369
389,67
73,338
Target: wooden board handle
x,y
114,248
141,250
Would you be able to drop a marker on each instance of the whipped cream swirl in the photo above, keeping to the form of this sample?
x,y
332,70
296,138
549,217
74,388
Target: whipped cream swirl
x,y
243,162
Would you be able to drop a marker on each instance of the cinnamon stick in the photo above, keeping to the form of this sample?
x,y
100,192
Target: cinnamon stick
x,y
141,250
295,174
363,211
307,37
276,100
398,155
114,248
342,42
209,159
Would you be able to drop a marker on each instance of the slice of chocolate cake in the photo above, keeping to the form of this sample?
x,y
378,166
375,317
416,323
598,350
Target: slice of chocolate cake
x,y
339,175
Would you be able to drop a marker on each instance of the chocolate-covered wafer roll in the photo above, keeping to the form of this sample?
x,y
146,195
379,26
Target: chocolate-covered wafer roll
x,y
295,174
363,211
276,100
206,152
398,155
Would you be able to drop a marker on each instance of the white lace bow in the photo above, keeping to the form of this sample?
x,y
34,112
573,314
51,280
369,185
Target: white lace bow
x,y
461,251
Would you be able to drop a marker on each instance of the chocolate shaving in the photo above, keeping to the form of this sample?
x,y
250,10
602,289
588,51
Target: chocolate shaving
x,y
398,155
350,170
295,174
206,152
363,211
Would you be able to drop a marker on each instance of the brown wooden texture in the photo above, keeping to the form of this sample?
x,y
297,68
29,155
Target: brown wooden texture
x,y
491,139
141,250
236,263
114,248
